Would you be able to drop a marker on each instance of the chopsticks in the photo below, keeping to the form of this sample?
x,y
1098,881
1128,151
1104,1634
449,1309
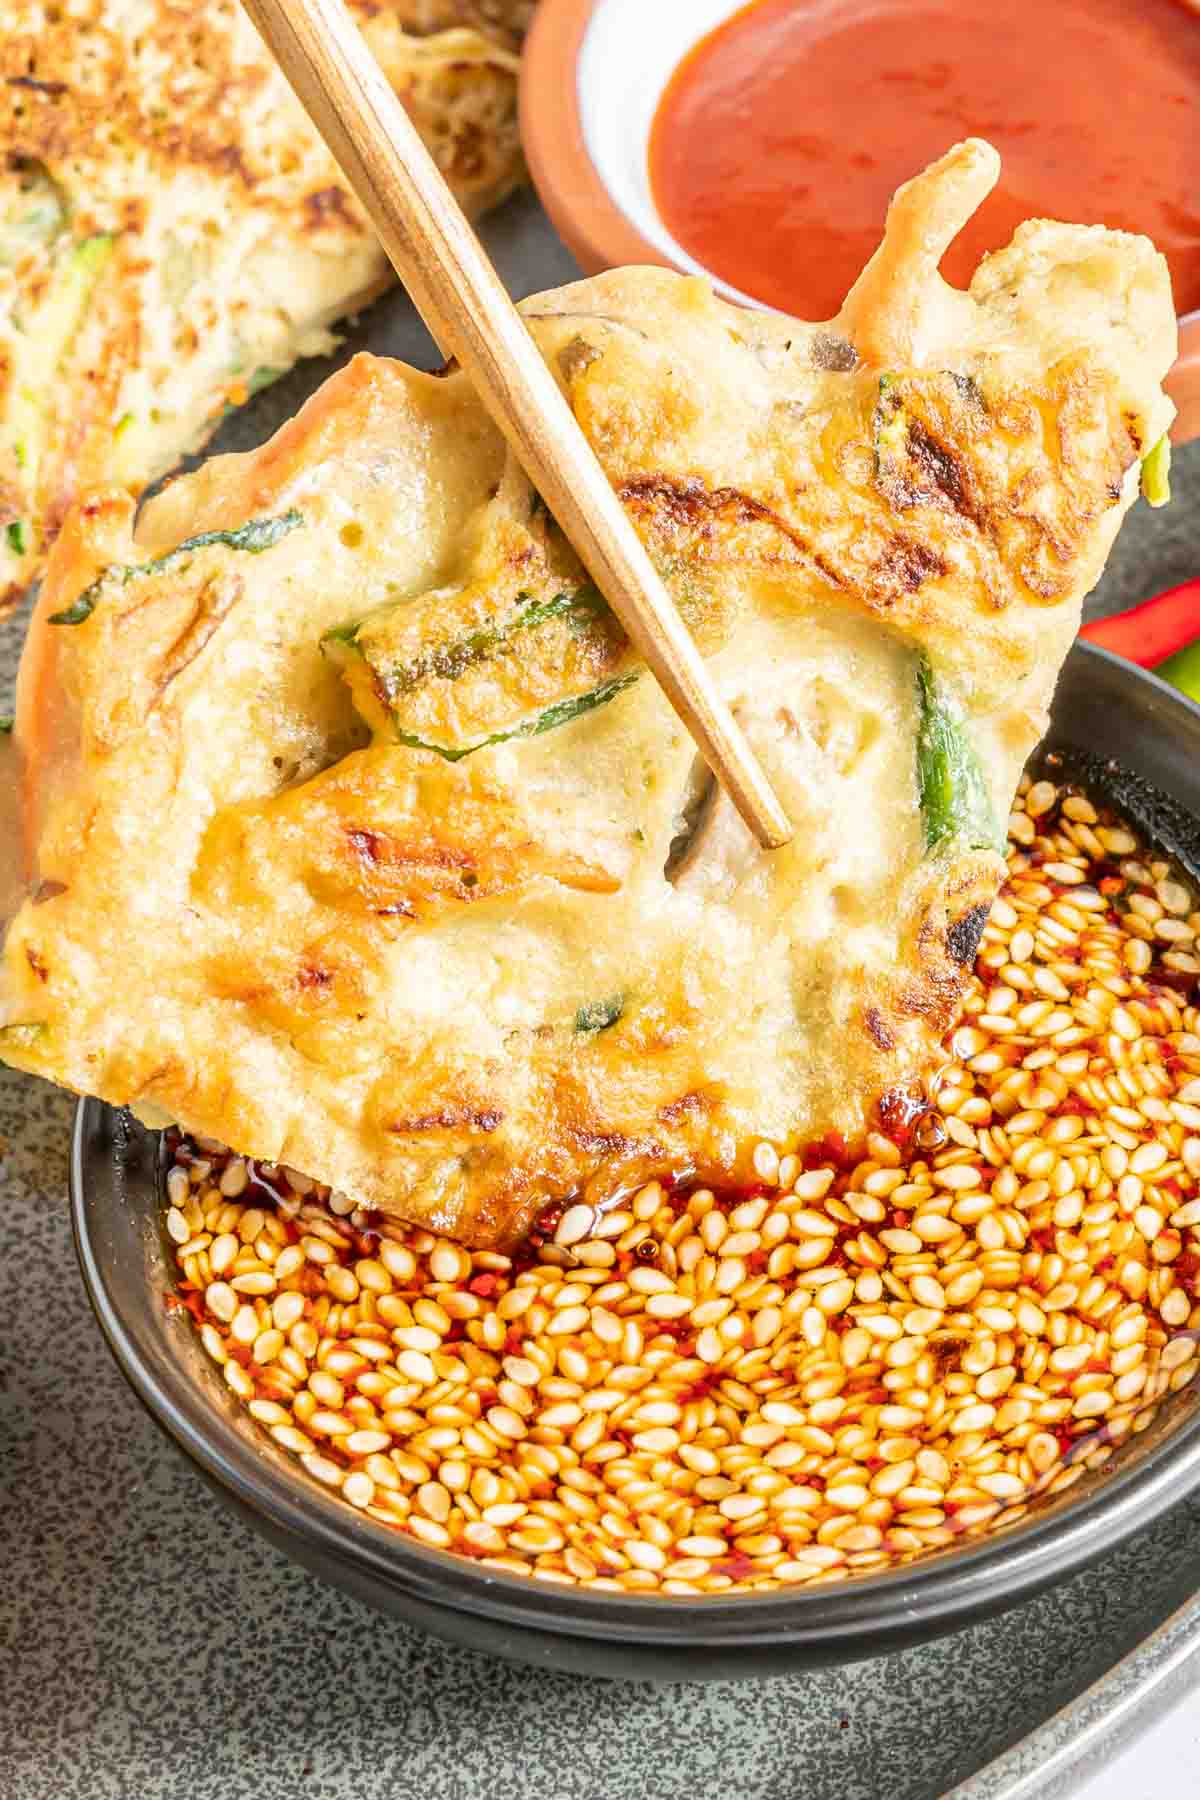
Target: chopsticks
x,y
465,306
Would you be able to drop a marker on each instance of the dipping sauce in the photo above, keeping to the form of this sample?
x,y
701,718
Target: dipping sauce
x,y
782,136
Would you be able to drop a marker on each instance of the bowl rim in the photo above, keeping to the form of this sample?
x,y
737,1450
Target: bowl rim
x,y
601,235
868,1613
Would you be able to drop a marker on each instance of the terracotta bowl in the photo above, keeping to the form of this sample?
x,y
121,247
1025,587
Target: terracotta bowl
x,y
592,77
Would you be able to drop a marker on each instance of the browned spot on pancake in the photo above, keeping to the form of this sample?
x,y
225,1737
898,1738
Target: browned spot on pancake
x,y
449,1118
375,848
311,976
325,206
610,1143
37,86
577,357
367,845
904,567
1040,582
833,353
878,1030
935,998
48,890
687,503
232,159
962,939
687,1105
941,468
36,963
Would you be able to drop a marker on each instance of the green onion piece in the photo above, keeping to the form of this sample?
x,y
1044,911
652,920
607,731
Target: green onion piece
x,y
6,725
14,535
447,662
253,537
955,805
255,382
890,425
344,634
79,610
1156,473
598,1015
549,719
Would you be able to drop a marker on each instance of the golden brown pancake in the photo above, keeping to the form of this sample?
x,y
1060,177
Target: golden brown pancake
x,y
357,837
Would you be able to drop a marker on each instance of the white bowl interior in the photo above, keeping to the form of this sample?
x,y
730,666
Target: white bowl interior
x,y
619,96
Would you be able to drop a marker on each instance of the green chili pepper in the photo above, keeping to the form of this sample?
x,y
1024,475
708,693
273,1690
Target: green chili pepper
x,y
1183,671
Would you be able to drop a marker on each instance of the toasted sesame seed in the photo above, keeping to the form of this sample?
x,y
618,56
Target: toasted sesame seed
x,y
575,1224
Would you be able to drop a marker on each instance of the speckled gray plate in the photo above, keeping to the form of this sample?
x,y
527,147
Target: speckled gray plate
x,y
156,1650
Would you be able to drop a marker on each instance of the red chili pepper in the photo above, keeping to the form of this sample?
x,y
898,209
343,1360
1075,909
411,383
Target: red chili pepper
x,y
1150,633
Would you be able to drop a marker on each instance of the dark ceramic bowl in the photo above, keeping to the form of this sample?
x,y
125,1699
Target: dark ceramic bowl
x,y
1117,728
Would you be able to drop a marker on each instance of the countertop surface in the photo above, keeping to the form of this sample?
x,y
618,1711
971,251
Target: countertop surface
x,y
156,1649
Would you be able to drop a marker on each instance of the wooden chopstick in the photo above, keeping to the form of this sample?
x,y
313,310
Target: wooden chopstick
x,y
465,306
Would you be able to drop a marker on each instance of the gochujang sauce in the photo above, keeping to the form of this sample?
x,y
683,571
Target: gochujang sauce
x,y
783,135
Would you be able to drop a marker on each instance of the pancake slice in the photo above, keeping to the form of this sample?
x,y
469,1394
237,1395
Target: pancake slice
x,y
173,234
355,836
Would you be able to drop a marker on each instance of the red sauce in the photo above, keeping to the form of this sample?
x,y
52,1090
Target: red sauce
x,y
782,137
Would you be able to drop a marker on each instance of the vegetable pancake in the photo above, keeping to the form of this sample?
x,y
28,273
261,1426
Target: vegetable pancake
x,y
174,235
357,838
